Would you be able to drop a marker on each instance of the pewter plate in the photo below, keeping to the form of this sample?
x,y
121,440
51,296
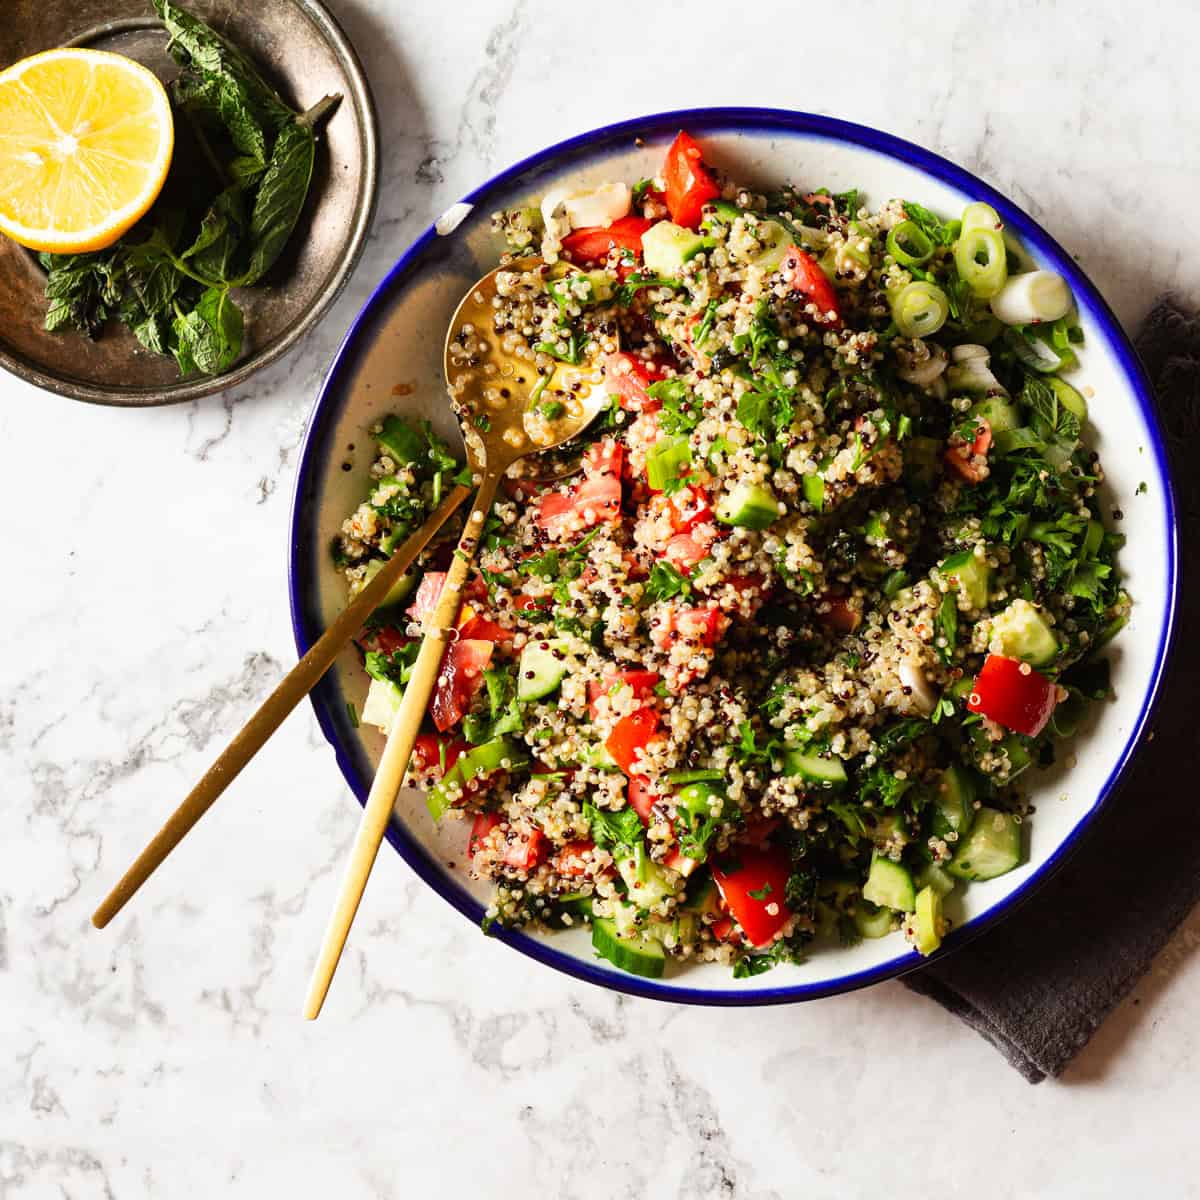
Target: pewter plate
x,y
302,50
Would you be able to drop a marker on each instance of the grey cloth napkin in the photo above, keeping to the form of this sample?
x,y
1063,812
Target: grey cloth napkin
x,y
1039,985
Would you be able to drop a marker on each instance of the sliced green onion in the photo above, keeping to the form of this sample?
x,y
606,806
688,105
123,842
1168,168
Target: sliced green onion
x,y
1069,398
666,460
1036,353
919,309
1034,296
982,262
980,216
909,244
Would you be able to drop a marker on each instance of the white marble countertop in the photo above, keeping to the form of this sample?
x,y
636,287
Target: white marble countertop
x,y
146,612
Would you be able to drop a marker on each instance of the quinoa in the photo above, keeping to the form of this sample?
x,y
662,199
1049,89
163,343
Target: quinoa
x,y
725,687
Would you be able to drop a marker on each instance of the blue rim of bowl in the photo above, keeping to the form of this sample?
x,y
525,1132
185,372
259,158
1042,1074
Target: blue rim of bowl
x,y
699,121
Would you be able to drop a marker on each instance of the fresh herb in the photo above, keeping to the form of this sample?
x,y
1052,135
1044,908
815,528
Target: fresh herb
x,y
679,413
704,329
613,830
947,623
170,279
504,712
626,291
880,785
760,893
941,233
665,583
639,190
750,965
395,666
352,713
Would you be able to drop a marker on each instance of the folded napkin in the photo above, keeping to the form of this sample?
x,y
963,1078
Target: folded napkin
x,y
1039,985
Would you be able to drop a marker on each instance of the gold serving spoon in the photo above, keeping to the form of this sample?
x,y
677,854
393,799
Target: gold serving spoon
x,y
507,411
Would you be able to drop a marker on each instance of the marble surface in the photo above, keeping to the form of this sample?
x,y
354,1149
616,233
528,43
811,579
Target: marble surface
x,y
146,612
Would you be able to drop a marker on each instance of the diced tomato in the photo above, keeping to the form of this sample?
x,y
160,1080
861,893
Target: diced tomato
x,y
480,628
627,377
592,243
642,683
641,796
678,861
603,459
460,677
757,829
527,603
753,883
1013,694
630,735
554,509
722,930
685,550
425,601
689,507
483,824
802,273
690,185
970,462
432,753
524,853
387,639
596,498
570,860
704,625
837,613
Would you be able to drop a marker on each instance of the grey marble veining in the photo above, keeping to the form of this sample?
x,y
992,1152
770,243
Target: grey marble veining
x,y
146,613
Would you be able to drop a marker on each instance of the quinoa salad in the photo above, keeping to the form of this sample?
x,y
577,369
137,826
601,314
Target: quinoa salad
x,y
759,663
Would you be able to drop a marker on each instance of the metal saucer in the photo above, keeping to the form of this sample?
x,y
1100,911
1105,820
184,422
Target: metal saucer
x,y
304,52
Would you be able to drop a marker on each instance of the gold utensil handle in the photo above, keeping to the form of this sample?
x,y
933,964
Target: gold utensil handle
x,y
294,686
401,738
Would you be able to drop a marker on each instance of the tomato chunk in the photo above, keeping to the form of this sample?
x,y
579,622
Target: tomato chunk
x,y
689,507
722,930
803,275
630,735
425,601
690,185
837,614
596,498
570,859
642,683
460,677
969,461
481,628
628,377
685,550
483,824
641,796
753,884
524,853
592,243
433,753
1013,694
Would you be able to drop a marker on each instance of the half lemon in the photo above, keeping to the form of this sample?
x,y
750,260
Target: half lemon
x,y
85,145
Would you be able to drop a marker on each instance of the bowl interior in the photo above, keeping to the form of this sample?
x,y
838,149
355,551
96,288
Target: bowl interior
x,y
391,362
299,48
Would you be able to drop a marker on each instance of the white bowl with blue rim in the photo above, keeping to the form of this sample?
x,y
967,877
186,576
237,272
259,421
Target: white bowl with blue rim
x,y
391,361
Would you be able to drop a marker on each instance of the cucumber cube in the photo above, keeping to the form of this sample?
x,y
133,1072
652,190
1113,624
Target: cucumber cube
x,y
954,804
933,876
889,885
824,772
667,246
1023,633
749,505
637,952
992,848
970,574
928,921
382,704
399,591
872,921
540,669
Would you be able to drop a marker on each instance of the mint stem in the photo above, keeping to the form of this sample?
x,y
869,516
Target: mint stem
x,y
319,111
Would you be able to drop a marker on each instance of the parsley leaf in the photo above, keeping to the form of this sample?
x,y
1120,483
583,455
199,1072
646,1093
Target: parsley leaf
x,y
613,830
665,583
